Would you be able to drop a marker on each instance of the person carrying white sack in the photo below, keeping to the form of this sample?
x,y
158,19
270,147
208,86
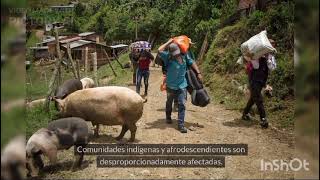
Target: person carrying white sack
x,y
271,60
258,71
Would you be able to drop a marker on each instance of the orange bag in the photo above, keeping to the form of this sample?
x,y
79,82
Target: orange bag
x,y
183,42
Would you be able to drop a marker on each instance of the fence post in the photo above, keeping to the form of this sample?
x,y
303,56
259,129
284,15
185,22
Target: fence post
x,y
71,61
95,67
86,62
55,76
114,73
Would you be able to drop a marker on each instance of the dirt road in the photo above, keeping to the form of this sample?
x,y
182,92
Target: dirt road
x,y
212,124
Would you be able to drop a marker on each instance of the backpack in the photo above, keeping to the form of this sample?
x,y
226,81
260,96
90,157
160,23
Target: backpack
x,y
199,96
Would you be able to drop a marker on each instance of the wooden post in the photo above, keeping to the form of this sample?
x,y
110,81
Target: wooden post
x,y
203,48
59,75
78,68
72,63
95,67
108,59
86,62
45,78
54,77
116,57
78,65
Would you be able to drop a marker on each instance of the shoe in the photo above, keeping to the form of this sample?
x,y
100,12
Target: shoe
x,y
169,121
183,129
246,117
264,123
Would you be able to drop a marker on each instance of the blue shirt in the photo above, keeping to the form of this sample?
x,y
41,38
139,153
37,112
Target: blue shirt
x,y
176,72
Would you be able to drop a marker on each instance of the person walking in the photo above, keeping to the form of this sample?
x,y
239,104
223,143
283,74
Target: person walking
x,y
134,57
258,71
176,65
143,71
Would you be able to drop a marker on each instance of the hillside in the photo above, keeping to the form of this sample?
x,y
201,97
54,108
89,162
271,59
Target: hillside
x,y
221,70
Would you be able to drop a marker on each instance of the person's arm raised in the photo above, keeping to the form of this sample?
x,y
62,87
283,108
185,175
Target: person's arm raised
x,y
163,46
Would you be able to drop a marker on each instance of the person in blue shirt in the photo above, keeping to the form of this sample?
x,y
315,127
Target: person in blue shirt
x,y
176,65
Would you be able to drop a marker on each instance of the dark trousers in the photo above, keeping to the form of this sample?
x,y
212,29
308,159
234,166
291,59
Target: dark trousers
x,y
255,98
134,75
145,75
180,96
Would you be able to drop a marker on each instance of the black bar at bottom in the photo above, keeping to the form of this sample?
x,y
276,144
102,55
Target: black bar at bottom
x,y
161,161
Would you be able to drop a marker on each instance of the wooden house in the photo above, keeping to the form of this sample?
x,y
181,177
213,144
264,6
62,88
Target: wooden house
x,y
79,48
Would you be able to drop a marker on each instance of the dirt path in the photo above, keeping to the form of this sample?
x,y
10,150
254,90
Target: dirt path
x,y
212,124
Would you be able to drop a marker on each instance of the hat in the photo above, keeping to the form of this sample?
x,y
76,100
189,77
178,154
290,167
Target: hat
x,y
174,49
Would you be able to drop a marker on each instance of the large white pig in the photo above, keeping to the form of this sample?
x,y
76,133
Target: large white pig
x,y
111,105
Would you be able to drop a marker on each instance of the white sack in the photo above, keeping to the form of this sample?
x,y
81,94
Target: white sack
x,y
257,46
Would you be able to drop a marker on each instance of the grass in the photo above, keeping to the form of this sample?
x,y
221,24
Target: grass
x,y
122,74
37,118
220,68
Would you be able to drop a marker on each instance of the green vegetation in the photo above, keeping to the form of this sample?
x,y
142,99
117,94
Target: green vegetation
x,y
157,20
37,118
123,75
32,40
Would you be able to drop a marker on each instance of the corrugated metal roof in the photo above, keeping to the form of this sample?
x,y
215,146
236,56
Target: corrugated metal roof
x,y
78,43
39,47
50,39
70,40
86,33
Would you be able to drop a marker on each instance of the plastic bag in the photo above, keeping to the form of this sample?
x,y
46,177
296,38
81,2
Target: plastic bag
x,y
257,46
183,42
240,60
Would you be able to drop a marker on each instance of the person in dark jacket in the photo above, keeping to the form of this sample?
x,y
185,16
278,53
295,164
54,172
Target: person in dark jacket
x,y
134,57
258,71
258,75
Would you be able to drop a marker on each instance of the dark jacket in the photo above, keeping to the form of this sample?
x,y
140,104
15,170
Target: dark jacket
x,y
134,57
260,75
147,55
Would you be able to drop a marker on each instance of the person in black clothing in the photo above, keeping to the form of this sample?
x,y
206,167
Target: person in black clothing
x,y
258,76
134,57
